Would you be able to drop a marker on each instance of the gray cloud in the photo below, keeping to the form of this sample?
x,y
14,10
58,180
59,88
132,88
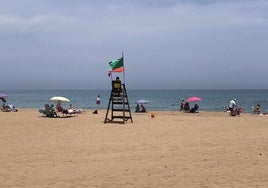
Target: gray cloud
x,y
167,44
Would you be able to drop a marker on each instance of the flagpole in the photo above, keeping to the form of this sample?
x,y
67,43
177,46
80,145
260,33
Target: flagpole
x,y
111,76
123,67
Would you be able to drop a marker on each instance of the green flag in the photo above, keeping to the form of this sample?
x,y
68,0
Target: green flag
x,y
117,63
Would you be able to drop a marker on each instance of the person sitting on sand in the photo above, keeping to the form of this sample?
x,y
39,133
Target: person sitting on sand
x,y
6,108
137,108
226,109
53,113
13,108
257,109
72,109
194,109
187,107
3,107
143,109
59,108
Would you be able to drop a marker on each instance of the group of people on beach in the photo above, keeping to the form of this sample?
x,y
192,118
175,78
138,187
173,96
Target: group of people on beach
x,y
233,109
116,88
8,108
185,106
140,108
51,111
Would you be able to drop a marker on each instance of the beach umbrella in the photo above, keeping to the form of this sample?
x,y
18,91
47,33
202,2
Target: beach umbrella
x,y
194,99
2,95
59,99
142,101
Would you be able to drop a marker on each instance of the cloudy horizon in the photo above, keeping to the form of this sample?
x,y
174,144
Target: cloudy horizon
x,y
173,44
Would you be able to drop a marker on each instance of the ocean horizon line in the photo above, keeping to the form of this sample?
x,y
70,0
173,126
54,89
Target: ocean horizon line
x,y
156,89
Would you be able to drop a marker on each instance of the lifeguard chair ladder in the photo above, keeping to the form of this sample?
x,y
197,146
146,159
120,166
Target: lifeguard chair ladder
x,y
119,105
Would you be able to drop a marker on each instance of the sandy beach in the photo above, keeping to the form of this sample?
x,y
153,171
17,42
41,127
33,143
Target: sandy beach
x,y
174,149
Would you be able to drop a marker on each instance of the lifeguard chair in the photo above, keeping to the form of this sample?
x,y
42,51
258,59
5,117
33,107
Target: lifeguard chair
x,y
118,105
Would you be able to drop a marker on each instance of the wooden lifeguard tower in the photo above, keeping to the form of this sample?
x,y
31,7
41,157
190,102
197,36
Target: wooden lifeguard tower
x,y
118,110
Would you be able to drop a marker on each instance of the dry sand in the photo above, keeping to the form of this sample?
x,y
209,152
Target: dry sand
x,y
172,150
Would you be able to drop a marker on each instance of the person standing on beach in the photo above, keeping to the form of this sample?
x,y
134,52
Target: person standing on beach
x,y
182,104
232,105
97,103
98,100
257,109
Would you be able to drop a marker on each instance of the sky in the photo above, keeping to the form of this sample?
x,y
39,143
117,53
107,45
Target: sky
x,y
166,44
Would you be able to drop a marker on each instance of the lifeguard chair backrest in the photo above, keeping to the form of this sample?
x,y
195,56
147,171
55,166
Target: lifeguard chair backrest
x,y
116,84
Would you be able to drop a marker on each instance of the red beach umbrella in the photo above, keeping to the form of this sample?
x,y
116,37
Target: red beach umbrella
x,y
2,95
194,99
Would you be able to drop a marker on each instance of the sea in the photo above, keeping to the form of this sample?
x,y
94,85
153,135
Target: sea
x,y
160,100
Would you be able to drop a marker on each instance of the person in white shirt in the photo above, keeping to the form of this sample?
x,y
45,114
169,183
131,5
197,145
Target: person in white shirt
x,y
98,100
232,105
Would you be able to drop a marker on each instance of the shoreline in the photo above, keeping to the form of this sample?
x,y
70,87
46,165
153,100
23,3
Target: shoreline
x,y
132,112
160,100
